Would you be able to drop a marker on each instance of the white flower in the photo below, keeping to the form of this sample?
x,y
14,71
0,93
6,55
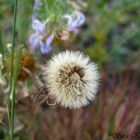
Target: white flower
x,y
71,78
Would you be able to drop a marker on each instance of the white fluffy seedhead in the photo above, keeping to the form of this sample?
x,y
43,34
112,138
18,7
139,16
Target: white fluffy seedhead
x,y
71,78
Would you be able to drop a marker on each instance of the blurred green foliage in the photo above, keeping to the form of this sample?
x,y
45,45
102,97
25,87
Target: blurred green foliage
x,y
24,19
51,11
113,26
97,53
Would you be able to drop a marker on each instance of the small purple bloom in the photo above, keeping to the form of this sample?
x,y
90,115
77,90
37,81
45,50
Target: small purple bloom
x,y
80,18
45,49
35,39
49,40
38,26
46,46
36,4
74,23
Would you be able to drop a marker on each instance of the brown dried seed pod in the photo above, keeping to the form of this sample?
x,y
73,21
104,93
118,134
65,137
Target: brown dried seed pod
x,y
27,65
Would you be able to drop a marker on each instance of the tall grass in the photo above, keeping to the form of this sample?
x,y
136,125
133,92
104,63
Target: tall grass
x,y
15,66
13,90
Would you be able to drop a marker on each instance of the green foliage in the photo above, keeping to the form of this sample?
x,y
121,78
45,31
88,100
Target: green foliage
x,y
98,54
119,57
24,19
115,25
52,10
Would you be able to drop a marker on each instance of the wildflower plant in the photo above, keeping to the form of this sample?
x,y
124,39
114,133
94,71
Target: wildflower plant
x,y
52,10
69,77
42,83
53,19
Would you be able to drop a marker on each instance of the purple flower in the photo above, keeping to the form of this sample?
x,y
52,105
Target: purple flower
x,y
38,26
36,4
45,46
35,39
74,23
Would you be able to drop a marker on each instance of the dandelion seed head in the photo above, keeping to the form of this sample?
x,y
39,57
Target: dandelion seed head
x,y
71,79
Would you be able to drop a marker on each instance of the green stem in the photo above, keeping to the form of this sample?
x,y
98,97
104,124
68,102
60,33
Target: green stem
x,y
13,91
12,77
49,2
12,106
13,41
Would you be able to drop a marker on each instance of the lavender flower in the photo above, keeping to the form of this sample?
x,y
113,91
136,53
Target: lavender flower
x,y
35,39
38,26
74,23
36,4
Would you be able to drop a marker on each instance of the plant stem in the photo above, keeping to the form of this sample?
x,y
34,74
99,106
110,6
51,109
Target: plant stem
x,y
13,41
13,91
12,77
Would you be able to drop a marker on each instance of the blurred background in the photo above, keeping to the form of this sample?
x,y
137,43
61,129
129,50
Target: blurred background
x,y
111,37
